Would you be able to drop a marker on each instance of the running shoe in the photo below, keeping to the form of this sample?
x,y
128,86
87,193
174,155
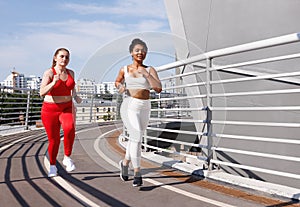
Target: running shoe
x,y
137,181
123,171
68,162
52,171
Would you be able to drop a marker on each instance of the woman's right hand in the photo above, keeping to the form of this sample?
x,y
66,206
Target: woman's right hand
x,y
56,78
121,89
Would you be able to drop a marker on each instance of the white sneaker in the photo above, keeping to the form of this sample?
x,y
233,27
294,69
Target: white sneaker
x,y
52,171
68,162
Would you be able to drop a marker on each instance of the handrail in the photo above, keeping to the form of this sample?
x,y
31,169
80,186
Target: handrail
x,y
271,42
209,95
255,138
276,41
245,152
258,169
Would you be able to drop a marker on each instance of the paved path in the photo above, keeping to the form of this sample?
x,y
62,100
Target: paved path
x,y
96,182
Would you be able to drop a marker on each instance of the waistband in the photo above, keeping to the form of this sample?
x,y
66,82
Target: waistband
x,y
59,104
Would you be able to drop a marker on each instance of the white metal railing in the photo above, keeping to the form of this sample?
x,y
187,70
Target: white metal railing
x,y
95,108
19,107
204,115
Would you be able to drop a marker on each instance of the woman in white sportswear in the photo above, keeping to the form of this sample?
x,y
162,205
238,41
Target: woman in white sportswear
x,y
136,80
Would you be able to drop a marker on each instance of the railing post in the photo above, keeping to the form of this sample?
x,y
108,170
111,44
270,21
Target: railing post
x,y
91,108
2,100
27,109
209,112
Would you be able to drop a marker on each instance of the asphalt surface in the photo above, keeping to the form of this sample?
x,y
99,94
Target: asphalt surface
x,y
96,181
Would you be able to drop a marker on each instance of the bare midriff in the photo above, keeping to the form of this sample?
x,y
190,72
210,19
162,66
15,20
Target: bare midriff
x,y
57,99
139,93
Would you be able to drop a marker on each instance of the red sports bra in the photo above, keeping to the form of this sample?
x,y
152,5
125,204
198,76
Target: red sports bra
x,y
62,88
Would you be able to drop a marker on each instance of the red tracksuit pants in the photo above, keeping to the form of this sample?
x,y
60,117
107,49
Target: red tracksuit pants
x,y
55,115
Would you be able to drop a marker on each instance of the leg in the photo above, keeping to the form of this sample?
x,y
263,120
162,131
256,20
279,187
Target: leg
x,y
67,122
135,136
134,152
52,126
139,119
135,115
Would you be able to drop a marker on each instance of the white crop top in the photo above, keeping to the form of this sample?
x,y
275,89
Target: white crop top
x,y
136,83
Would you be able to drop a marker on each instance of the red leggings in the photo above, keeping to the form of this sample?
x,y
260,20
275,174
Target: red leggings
x,y
53,116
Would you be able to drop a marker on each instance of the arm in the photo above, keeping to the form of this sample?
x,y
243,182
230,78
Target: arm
x,y
152,78
47,84
119,81
76,97
74,94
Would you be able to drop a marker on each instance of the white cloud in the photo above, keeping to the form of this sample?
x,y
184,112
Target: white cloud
x,y
32,50
136,8
82,36
77,27
147,25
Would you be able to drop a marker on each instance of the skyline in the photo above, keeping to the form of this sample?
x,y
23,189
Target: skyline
x,y
32,30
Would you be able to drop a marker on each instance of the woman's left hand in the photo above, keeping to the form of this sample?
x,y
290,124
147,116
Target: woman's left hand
x,y
78,99
143,71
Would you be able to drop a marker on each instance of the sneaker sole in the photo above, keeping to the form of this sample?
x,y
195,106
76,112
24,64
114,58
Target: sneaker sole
x,y
52,175
122,178
67,169
70,170
120,166
137,182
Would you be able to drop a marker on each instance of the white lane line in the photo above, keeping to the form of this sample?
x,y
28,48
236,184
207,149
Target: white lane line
x,y
14,142
19,140
64,184
188,194
96,144
171,188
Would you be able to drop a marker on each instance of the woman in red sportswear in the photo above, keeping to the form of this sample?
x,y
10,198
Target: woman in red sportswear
x,y
57,88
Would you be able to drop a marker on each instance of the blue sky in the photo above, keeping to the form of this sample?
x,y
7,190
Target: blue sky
x,y
32,30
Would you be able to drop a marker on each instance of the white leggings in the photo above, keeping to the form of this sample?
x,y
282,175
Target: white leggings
x,y
135,114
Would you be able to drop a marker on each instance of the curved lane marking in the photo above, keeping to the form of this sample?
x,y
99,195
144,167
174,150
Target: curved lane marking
x,y
14,142
64,184
154,182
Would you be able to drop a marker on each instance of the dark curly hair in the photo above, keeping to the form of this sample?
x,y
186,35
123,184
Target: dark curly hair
x,y
135,42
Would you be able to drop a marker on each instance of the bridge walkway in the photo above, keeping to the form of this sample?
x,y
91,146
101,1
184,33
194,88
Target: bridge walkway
x,y
96,182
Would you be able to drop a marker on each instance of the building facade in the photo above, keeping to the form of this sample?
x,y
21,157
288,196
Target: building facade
x,y
19,80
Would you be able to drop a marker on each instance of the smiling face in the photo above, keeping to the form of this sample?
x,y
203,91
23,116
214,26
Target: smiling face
x,y
62,58
138,53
